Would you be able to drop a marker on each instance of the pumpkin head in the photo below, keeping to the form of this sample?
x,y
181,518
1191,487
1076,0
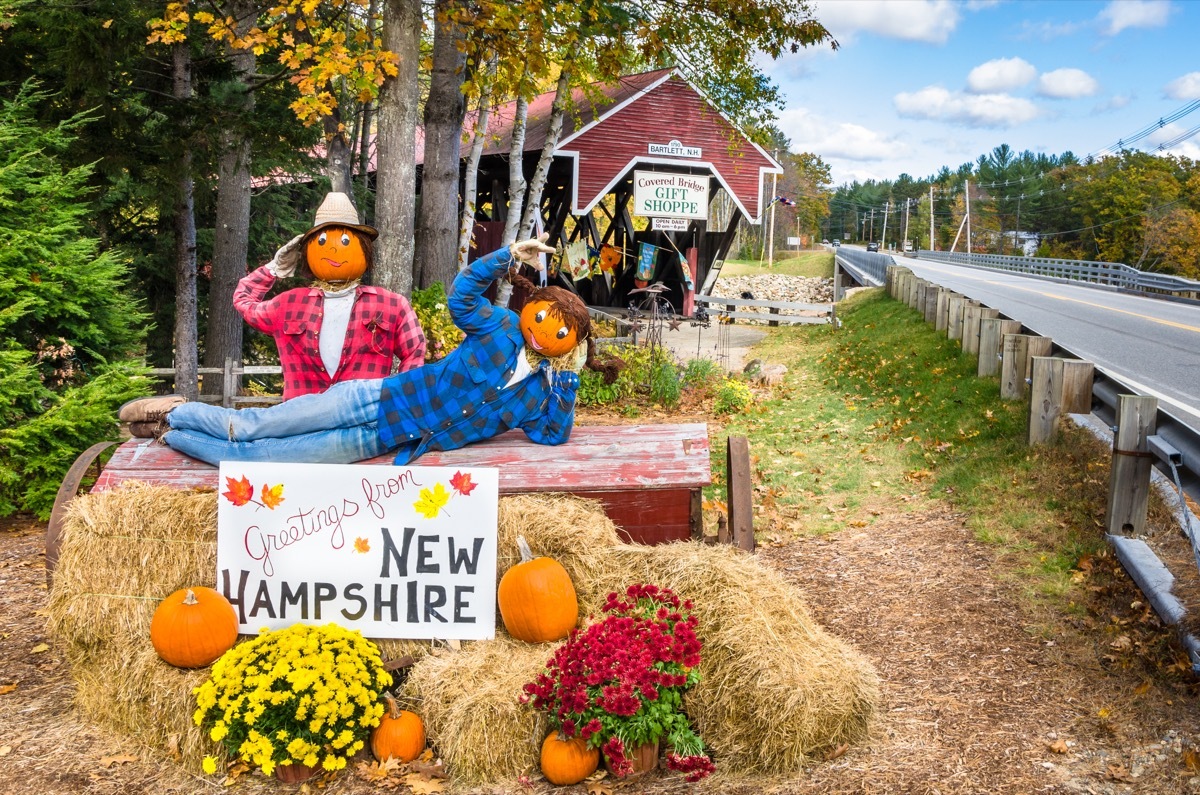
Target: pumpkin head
x,y
400,734
537,600
193,626
336,254
567,761
553,321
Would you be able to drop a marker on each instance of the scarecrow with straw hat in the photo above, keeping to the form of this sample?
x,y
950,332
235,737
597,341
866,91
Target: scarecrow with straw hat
x,y
337,329
510,371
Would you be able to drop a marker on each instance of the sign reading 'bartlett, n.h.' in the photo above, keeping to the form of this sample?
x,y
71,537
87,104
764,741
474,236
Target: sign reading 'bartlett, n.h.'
x,y
395,552
664,195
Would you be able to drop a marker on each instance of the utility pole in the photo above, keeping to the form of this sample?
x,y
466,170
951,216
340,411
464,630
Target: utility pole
x,y
931,246
968,218
904,242
872,237
774,201
883,237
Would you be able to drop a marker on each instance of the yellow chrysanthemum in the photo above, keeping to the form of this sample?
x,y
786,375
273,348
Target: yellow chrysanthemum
x,y
209,765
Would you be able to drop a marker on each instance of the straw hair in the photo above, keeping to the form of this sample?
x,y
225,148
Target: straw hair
x,y
776,690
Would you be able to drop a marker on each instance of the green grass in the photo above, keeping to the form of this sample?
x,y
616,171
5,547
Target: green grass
x,y
886,412
813,264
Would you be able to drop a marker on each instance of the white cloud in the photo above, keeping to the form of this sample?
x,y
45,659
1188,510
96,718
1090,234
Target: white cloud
x,y
1046,31
979,5
1001,74
974,110
1121,14
1189,148
912,20
1115,102
810,133
1184,88
1067,84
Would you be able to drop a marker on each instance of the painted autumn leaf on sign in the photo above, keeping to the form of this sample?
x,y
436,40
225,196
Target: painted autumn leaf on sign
x,y
272,496
461,482
432,501
362,545
240,491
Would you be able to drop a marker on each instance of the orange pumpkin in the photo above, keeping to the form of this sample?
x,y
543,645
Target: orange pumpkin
x,y
545,331
567,761
335,254
537,600
400,734
193,626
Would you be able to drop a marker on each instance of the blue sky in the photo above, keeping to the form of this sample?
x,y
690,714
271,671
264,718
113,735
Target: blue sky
x,y
918,84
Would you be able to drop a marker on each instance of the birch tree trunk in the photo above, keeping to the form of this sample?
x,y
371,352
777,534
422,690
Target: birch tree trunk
x,y
516,187
186,344
437,222
533,204
467,223
231,237
397,170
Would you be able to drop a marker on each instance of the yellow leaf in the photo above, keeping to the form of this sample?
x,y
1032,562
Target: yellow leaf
x,y
6,689
422,785
38,649
432,501
107,24
362,545
109,761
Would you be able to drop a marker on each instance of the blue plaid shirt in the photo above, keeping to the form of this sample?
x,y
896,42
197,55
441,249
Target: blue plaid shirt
x,y
462,398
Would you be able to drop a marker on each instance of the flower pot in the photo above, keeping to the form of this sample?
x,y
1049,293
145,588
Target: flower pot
x,y
295,772
644,758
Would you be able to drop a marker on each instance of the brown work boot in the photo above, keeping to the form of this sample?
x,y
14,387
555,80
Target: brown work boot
x,y
149,429
149,409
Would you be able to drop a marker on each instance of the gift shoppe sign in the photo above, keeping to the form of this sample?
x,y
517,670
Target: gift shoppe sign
x,y
661,195
394,552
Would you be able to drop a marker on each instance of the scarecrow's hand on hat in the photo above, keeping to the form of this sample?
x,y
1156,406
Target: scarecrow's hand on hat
x,y
287,258
527,251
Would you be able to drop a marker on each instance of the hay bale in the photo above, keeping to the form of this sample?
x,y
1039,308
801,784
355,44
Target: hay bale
x,y
122,552
468,700
775,688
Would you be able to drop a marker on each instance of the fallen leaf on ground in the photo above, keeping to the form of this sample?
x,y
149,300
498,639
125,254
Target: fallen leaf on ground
x,y
599,788
422,785
5,750
38,649
376,772
1191,759
435,770
834,753
109,761
1058,746
1118,773
6,689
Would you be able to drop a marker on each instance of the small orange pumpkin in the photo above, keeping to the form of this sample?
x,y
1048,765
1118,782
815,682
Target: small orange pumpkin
x,y
545,331
567,761
193,626
336,254
537,600
400,734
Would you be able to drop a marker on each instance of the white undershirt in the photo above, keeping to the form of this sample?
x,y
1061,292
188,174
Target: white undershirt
x,y
522,370
335,321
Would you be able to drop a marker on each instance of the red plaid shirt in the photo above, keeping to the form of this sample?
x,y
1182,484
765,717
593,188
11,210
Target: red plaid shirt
x,y
382,325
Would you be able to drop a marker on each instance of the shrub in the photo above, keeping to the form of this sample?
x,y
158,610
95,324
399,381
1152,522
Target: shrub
x,y
733,396
699,372
441,335
649,371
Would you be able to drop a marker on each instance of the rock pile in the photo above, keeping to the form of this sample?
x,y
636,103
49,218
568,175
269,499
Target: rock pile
x,y
774,287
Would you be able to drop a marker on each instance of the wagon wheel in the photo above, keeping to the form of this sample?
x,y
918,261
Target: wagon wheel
x,y
67,491
740,494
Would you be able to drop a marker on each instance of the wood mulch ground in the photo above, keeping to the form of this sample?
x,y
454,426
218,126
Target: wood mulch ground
x,y
979,695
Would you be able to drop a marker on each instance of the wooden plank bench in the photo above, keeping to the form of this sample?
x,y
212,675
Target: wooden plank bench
x,y
648,477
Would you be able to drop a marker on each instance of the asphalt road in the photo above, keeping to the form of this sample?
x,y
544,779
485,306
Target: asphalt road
x,y
1150,344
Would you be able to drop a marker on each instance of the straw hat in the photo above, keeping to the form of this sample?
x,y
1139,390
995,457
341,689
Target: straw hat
x,y
338,210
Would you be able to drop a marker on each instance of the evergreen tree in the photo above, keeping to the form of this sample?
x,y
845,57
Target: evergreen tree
x,y
69,323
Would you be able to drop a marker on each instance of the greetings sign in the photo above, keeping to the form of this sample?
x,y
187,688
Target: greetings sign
x,y
395,552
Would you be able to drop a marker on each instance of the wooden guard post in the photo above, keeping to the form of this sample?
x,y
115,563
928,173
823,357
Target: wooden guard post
x,y
1016,362
1129,484
741,493
991,336
1056,387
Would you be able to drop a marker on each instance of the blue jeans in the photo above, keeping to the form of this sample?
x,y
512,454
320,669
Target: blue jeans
x,y
337,426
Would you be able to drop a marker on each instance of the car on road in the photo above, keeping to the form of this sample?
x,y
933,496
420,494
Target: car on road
x,y
825,242
872,246
837,242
